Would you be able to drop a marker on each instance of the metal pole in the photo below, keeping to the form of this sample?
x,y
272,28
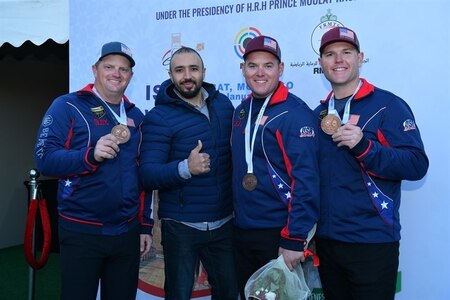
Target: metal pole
x,y
33,192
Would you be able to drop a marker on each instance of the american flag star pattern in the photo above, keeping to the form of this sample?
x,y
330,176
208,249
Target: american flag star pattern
x,y
383,204
270,43
343,32
283,189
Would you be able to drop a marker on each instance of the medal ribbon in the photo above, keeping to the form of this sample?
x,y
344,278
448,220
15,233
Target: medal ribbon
x,y
249,147
346,116
122,119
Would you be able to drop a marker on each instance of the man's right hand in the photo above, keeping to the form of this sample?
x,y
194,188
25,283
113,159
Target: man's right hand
x,y
107,147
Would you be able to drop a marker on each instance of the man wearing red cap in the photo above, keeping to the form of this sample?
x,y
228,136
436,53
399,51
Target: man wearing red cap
x,y
369,143
275,166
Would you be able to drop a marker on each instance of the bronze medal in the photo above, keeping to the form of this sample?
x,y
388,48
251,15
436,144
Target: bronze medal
x,y
330,124
249,182
121,132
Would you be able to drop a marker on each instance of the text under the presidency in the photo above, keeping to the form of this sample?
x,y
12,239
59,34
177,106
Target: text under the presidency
x,y
238,8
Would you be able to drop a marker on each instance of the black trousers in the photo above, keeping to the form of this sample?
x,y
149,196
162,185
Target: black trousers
x,y
86,259
253,248
358,271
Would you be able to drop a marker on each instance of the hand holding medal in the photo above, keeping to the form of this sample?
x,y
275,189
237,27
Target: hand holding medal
x,y
348,135
107,147
332,122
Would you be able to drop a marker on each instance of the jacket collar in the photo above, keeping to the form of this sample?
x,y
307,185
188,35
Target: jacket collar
x,y
90,89
366,89
280,94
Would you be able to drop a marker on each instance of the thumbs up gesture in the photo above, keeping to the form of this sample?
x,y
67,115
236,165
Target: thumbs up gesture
x,y
198,163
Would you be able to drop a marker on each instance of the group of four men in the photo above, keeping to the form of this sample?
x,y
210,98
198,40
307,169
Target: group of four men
x,y
234,206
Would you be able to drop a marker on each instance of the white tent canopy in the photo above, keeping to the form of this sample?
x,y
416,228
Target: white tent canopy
x,y
36,21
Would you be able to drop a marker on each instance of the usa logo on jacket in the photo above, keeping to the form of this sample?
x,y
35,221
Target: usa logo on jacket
x,y
409,125
307,131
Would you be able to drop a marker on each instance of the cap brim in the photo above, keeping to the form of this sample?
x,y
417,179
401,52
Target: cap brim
x,y
262,50
130,59
336,41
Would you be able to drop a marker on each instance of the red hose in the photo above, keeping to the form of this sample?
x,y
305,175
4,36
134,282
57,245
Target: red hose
x,y
47,233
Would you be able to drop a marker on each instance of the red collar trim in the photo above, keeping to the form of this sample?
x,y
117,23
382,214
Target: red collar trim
x,y
366,89
280,94
88,88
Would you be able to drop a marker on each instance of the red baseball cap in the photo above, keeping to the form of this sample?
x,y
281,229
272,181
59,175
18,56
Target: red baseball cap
x,y
263,43
339,34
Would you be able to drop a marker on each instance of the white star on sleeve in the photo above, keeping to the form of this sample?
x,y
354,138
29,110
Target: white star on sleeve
x,y
384,205
280,186
67,182
375,195
288,195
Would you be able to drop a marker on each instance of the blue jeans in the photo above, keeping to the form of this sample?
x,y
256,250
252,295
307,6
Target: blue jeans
x,y
183,246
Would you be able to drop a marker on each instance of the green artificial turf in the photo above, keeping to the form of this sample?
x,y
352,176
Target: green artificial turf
x,y
14,276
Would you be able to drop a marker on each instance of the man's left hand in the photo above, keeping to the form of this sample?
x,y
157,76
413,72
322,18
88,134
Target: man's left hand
x,y
146,243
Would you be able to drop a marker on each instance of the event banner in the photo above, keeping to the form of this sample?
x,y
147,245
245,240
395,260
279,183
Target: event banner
x,y
399,39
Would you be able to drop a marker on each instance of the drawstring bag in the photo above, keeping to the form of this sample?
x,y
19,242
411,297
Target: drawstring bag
x,y
274,281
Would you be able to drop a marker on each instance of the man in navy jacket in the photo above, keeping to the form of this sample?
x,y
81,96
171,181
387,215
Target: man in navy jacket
x,y
89,140
275,166
186,156
369,143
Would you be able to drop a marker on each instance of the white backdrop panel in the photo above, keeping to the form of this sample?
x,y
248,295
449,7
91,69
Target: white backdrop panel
x,y
403,43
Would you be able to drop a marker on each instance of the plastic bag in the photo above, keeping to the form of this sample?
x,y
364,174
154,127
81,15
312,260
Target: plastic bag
x,y
274,281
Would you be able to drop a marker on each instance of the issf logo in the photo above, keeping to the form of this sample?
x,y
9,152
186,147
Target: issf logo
x,y
242,38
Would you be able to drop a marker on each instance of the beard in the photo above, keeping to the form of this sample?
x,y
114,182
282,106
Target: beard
x,y
191,93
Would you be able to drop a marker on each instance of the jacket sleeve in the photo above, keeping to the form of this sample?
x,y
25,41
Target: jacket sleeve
x,y
299,143
397,152
53,154
156,171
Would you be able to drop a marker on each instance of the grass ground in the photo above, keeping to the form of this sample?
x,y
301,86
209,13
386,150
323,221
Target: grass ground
x,y
14,276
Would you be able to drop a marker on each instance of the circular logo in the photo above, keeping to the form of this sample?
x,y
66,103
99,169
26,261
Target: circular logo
x,y
241,40
320,29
